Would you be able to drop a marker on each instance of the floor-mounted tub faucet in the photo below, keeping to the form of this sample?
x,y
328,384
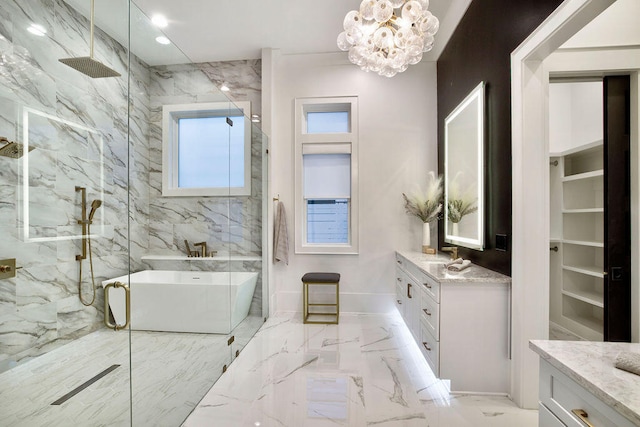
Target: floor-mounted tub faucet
x,y
203,249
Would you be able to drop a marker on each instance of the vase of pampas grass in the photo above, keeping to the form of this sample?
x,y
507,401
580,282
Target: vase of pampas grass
x,y
427,206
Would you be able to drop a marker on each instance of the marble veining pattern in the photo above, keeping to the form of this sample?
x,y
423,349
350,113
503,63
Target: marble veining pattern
x,y
39,309
433,265
366,371
592,365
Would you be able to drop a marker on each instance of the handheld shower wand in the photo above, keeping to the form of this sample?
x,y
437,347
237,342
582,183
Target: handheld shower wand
x,y
86,240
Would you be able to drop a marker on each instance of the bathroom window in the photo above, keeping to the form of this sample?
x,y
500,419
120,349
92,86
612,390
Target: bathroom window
x,y
326,208
206,149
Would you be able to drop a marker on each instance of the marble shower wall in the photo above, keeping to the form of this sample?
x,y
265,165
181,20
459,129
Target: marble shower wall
x,y
230,225
78,127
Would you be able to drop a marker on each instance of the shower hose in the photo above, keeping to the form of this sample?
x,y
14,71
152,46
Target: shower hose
x,y
93,284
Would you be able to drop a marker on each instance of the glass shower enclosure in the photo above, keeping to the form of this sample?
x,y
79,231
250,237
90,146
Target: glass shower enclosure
x,y
121,303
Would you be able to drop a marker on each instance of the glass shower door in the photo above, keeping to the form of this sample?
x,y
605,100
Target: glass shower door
x,y
63,186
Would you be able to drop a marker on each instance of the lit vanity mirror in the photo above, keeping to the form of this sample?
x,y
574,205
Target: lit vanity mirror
x,y
464,172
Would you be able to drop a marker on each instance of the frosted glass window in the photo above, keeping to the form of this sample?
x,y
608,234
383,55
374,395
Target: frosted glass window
x,y
328,221
327,176
210,152
328,122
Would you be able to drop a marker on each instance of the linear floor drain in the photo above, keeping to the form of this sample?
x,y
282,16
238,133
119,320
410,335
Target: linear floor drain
x,y
84,385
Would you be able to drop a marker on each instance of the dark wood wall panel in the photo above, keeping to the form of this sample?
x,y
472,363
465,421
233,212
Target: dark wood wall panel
x,y
480,50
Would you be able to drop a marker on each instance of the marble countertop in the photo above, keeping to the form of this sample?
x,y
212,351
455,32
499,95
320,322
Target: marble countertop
x,y
592,365
433,266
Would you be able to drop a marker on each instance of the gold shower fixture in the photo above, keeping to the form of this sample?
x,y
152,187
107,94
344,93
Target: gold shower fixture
x,y
12,149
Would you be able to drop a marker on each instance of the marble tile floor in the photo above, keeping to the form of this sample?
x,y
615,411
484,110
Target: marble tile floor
x,y
170,372
366,371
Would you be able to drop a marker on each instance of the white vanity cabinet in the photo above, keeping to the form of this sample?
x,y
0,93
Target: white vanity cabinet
x,y
579,385
460,320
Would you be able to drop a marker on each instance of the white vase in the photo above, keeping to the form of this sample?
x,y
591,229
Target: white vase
x,y
454,229
426,239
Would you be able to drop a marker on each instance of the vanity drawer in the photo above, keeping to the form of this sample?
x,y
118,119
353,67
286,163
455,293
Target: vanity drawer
x,y
430,347
547,419
399,304
561,395
432,286
430,314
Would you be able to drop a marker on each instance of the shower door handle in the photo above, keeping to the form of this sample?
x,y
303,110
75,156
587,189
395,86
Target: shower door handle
x,y
127,294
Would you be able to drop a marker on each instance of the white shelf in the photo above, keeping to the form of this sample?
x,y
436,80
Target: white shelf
x,y
217,258
583,176
584,210
585,269
574,150
584,243
592,298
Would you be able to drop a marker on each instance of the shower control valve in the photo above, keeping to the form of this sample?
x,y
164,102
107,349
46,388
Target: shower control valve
x,y
8,268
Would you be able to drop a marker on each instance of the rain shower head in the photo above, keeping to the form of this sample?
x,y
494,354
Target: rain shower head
x,y
12,149
87,64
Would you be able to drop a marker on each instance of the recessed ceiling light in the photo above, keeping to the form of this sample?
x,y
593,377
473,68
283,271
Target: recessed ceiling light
x,y
224,88
36,29
159,21
163,40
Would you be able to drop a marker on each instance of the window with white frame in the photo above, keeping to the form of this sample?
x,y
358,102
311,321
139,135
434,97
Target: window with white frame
x,y
326,168
206,149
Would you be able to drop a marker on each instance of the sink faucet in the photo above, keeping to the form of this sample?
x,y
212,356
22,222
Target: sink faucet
x,y
203,248
452,249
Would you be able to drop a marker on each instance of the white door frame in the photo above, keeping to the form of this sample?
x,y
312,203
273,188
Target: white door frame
x,y
530,193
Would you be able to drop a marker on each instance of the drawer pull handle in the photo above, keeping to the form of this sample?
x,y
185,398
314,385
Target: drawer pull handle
x,y
399,262
399,279
399,302
426,346
428,285
409,290
427,312
582,416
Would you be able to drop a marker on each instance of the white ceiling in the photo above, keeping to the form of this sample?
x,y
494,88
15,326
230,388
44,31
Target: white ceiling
x,y
223,30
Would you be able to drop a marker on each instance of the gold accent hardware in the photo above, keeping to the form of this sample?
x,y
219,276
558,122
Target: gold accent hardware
x,y
554,249
8,268
452,249
399,279
425,344
231,340
224,369
203,248
399,262
237,353
604,273
399,302
83,222
409,290
582,416
277,198
427,312
127,294
428,285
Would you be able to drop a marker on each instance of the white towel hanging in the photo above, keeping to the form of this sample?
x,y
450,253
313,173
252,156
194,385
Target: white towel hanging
x,y
280,235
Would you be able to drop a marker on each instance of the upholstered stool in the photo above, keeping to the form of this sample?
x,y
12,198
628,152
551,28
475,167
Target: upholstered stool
x,y
331,279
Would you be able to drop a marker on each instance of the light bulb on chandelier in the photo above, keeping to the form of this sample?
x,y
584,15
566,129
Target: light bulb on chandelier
x,y
386,36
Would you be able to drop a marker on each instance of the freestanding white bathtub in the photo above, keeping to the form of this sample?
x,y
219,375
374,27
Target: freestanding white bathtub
x,y
184,301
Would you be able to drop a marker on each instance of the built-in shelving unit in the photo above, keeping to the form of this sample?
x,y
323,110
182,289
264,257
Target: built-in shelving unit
x,y
578,233
577,210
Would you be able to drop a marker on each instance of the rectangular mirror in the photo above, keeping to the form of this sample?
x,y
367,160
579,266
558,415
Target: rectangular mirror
x,y
464,172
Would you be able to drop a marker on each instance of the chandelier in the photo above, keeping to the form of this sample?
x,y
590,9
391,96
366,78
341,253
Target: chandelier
x,y
386,36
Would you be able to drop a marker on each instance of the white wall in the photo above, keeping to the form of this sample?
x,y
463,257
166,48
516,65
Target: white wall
x,y
398,147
